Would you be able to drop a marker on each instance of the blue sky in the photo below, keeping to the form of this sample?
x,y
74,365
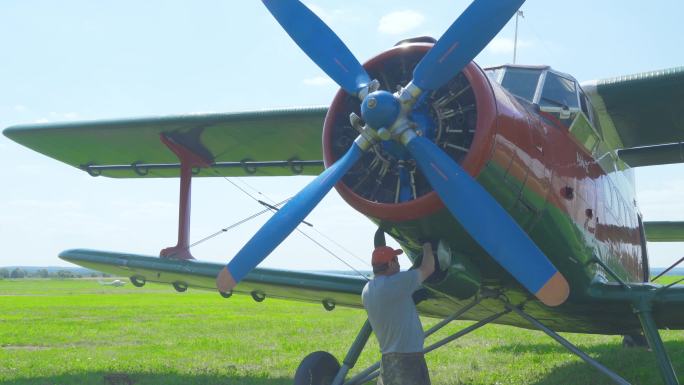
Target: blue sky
x,y
77,60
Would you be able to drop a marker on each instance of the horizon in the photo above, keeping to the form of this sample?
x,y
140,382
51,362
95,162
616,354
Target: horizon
x,y
78,61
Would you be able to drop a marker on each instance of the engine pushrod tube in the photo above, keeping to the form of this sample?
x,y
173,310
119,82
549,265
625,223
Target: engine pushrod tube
x,y
568,345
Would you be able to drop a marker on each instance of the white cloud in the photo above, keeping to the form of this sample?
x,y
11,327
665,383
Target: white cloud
x,y
331,16
64,115
399,22
504,45
326,16
318,81
58,116
20,108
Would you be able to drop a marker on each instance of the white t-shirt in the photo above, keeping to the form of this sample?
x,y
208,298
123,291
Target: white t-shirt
x,y
392,313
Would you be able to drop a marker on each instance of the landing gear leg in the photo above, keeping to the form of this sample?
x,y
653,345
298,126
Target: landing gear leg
x,y
643,310
321,368
353,353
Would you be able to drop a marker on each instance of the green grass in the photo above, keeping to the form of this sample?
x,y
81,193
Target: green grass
x,y
57,332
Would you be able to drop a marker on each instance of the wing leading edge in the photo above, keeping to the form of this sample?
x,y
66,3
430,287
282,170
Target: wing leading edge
x,y
261,143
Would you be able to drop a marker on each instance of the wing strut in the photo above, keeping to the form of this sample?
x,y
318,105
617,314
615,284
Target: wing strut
x,y
189,160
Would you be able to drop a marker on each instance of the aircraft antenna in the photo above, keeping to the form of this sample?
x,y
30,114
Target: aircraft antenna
x,y
518,15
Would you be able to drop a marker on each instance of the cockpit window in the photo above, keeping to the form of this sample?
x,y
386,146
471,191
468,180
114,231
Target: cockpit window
x,y
521,82
558,91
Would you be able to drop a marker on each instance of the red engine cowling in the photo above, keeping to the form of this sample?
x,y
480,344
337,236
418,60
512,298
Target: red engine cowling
x,y
464,113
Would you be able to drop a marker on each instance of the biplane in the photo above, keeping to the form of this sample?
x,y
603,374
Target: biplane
x,y
522,174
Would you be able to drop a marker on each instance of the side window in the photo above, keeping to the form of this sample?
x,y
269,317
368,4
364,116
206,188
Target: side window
x,y
595,120
585,105
521,82
558,92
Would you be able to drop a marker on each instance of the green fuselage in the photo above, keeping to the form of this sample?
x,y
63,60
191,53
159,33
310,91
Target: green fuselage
x,y
575,199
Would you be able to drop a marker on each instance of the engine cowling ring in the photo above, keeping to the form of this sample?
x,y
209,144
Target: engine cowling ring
x,y
463,114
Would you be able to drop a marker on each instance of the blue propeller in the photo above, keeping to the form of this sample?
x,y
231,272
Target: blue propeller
x,y
488,223
320,43
480,214
466,37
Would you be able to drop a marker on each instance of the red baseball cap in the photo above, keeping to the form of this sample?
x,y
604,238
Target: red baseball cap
x,y
384,254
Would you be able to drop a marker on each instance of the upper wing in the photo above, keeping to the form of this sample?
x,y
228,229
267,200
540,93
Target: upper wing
x,y
273,142
643,110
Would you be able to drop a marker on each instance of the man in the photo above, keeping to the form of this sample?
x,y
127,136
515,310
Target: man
x,y
394,318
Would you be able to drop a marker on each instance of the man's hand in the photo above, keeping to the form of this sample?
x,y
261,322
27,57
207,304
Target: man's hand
x,y
427,265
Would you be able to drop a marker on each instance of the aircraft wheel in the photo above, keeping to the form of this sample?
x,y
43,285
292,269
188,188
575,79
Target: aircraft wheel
x,y
226,294
258,296
180,286
137,281
318,368
634,341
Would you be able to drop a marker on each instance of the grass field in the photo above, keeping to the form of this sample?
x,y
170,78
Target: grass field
x,y
59,332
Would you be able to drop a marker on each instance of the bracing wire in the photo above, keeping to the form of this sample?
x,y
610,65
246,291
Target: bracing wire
x,y
308,224
333,254
225,229
275,208
236,224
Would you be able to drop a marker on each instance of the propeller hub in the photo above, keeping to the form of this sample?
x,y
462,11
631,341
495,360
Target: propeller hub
x,y
380,109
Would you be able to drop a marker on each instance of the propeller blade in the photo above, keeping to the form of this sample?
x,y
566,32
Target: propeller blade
x,y
320,43
284,221
489,224
466,37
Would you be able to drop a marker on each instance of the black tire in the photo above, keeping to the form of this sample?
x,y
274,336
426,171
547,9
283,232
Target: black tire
x,y
137,281
180,286
318,368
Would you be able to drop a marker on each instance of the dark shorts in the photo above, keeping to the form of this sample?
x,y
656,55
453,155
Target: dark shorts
x,y
403,369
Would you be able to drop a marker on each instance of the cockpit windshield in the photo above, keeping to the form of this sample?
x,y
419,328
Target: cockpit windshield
x,y
521,82
537,84
559,91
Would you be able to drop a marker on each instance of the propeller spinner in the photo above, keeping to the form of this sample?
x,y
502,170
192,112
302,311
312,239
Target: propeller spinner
x,y
387,116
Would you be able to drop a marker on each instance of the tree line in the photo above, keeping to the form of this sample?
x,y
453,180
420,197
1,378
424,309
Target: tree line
x,y
44,273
